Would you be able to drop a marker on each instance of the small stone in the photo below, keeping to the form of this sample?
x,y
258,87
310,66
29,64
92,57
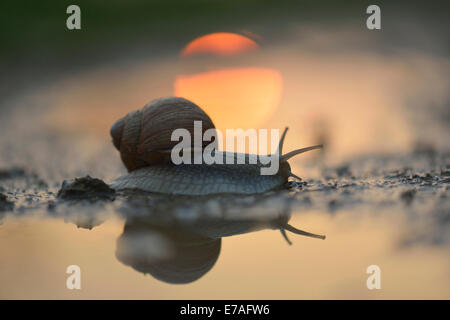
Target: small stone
x,y
85,188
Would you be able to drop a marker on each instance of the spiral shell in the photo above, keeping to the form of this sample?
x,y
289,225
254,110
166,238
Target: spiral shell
x,y
143,137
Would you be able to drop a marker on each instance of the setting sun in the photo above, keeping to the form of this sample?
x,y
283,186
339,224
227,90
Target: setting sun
x,y
220,43
232,87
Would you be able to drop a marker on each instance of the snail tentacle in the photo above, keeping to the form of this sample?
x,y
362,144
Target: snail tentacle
x,y
303,233
289,155
280,145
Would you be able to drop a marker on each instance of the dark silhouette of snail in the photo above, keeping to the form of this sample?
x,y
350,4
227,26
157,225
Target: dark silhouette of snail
x,y
179,250
169,254
143,138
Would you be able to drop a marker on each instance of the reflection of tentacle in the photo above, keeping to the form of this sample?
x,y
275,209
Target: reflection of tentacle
x,y
161,240
283,233
303,233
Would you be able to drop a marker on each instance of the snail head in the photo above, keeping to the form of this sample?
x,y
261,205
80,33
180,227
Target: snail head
x,y
285,172
285,168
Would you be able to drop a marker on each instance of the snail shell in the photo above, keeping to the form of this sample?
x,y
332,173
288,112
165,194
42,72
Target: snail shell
x,y
143,136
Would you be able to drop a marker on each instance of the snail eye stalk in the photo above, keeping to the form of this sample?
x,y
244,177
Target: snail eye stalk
x,y
280,144
303,233
289,155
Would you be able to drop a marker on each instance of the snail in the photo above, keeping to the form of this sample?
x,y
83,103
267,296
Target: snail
x,y
143,138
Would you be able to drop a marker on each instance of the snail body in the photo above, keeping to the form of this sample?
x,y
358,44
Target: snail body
x,y
188,179
143,139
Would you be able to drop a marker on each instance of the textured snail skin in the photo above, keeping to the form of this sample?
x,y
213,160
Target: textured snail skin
x,y
201,179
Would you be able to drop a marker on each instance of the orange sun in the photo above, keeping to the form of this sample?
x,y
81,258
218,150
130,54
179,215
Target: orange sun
x,y
235,97
220,43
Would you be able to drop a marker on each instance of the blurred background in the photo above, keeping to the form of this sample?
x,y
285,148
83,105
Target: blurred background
x,y
310,65
377,95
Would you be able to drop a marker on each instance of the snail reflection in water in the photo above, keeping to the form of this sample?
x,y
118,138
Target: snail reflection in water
x,y
176,249
169,254
143,138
